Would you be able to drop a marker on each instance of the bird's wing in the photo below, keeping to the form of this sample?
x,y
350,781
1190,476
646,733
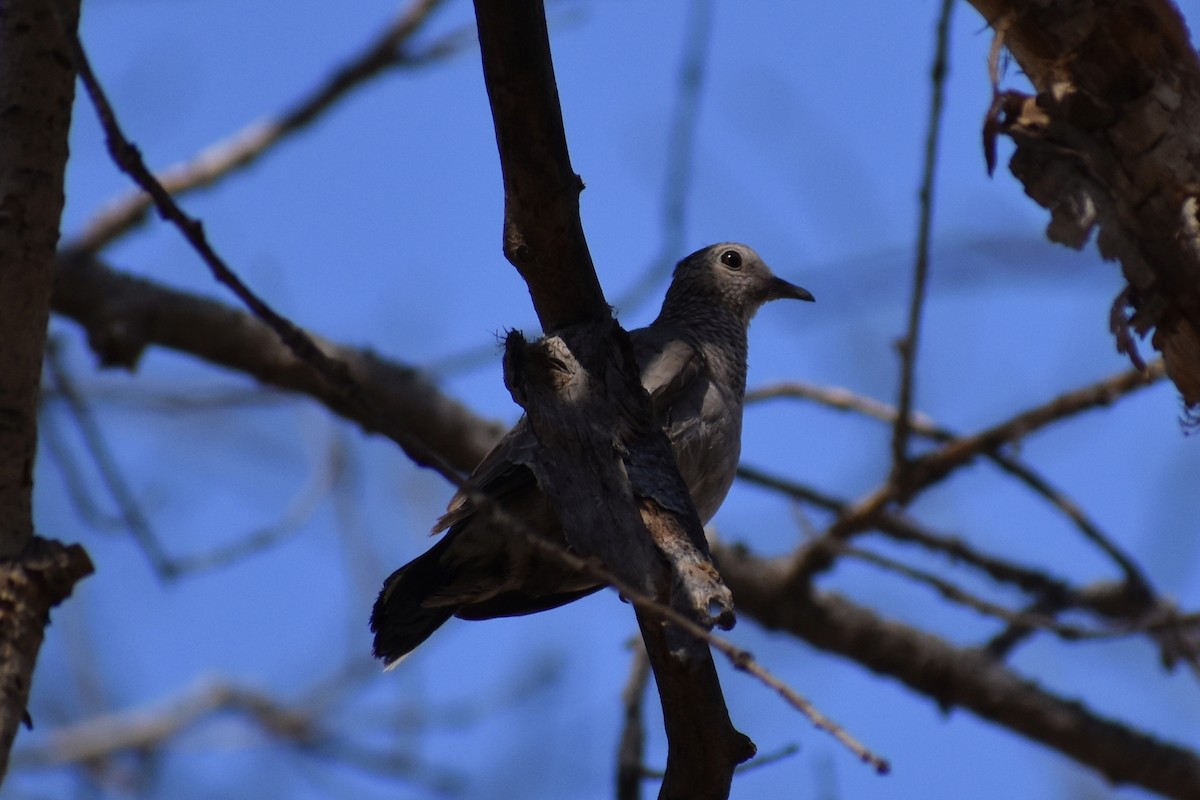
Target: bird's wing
x,y
502,471
670,365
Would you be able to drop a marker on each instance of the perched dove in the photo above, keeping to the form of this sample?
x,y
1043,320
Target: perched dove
x,y
693,365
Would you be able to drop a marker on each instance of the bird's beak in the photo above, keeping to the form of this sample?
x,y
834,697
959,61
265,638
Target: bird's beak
x,y
779,289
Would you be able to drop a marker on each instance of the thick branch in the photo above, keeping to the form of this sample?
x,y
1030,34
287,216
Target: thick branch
x,y
543,236
958,677
123,315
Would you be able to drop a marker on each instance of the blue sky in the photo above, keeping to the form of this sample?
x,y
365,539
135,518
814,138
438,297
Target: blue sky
x,y
380,226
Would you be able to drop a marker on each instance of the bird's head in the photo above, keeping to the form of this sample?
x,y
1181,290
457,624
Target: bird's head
x,y
730,276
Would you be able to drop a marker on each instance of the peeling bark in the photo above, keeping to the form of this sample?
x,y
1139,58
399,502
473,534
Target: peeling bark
x,y
1111,141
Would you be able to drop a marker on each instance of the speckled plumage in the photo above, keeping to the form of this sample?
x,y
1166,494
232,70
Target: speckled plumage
x,y
693,364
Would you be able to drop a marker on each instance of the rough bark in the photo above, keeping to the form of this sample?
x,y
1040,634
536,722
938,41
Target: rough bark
x,y
1111,140
36,93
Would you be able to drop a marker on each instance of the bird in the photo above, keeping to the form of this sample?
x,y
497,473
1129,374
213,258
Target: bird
x,y
692,362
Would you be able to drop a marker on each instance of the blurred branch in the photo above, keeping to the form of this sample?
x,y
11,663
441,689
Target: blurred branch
x,y
333,371
123,315
323,479
631,769
952,676
956,594
907,346
679,157
905,529
146,730
388,50
931,468
130,511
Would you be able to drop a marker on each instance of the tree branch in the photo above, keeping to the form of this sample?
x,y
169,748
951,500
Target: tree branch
x,y
123,315
245,147
958,677
37,88
543,235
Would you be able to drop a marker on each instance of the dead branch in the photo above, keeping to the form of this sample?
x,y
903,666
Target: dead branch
x,y
952,676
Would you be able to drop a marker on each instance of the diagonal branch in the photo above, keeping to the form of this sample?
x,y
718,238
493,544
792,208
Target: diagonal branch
x,y
123,315
388,50
953,676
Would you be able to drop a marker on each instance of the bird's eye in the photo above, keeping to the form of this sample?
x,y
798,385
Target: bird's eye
x,y
732,259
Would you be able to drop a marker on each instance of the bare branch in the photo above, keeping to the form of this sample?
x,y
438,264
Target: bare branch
x,y
953,676
335,372
933,467
388,50
131,512
123,315
907,346
846,400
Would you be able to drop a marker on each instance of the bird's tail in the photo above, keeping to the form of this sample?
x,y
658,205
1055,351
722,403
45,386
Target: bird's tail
x,y
401,619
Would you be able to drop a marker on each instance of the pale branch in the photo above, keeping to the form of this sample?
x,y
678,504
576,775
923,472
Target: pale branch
x,y
957,677
152,729
1110,143
932,467
388,50
123,315
844,399
907,345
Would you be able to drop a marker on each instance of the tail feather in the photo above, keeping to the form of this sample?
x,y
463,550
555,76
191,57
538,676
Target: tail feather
x,y
400,619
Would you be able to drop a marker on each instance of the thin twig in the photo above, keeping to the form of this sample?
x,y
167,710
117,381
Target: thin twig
x,y
904,529
959,595
93,438
252,142
933,467
301,345
680,156
844,399
300,510
739,658
908,345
